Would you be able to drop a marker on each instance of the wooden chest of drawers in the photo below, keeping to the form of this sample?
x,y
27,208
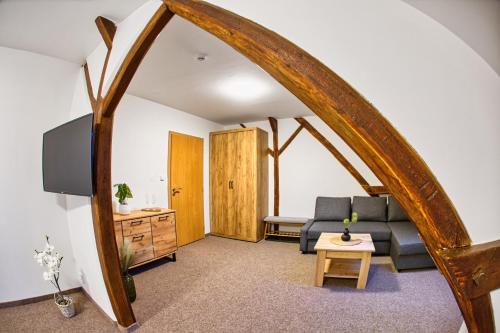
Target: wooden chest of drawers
x,y
152,235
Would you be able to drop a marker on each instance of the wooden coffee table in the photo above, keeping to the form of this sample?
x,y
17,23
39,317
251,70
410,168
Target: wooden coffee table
x,y
343,261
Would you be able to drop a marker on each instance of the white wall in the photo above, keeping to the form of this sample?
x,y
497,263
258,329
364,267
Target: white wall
x,y
476,22
434,88
35,96
140,149
309,170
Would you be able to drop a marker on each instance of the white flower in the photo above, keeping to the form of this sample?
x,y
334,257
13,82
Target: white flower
x,y
46,276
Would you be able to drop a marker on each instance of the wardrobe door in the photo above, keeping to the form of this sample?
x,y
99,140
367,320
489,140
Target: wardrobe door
x,y
243,177
218,183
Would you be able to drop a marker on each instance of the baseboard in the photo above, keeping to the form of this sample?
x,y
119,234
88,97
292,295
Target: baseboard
x,y
37,299
98,307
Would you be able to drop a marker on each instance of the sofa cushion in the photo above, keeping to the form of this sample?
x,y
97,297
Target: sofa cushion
x,y
370,208
405,239
332,209
378,230
395,212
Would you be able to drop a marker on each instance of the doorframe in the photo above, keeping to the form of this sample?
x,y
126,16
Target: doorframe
x,y
169,174
372,137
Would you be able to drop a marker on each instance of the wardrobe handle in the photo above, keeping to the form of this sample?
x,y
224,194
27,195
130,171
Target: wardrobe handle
x,y
231,184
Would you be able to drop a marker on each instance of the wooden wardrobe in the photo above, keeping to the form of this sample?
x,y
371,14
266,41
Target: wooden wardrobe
x,y
239,183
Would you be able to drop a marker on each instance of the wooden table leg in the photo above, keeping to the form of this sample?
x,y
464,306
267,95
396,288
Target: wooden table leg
x,y
363,272
265,230
320,268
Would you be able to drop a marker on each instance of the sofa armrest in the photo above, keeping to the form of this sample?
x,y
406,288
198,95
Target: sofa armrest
x,y
303,235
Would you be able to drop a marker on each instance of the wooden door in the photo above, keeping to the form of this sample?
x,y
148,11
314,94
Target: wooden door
x,y
186,186
242,193
219,182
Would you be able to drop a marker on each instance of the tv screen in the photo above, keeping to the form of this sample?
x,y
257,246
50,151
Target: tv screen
x,y
67,158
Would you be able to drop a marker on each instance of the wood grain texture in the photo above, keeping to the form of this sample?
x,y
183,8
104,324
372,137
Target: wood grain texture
x,y
152,235
335,152
107,28
276,167
102,216
377,190
185,186
290,139
238,183
398,166
476,269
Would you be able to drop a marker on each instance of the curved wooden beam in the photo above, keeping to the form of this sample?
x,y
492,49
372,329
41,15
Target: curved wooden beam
x,y
355,120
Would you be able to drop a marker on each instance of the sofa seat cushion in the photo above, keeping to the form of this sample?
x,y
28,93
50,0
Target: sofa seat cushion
x,y
370,208
405,239
378,230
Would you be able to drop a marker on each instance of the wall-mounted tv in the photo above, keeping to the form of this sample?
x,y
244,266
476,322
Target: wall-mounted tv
x,y
67,158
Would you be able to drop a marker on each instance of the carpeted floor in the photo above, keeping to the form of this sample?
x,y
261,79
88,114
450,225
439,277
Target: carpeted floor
x,y
223,285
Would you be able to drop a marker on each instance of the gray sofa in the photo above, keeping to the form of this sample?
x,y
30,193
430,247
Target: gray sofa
x,y
383,218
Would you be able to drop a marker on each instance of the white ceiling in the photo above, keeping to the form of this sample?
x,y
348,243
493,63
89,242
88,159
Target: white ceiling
x,y
63,29
171,75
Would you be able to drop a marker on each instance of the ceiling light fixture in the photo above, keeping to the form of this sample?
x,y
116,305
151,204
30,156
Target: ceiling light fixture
x,y
243,88
201,57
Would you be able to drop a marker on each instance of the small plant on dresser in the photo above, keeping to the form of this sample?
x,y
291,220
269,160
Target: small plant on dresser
x,y
123,193
51,260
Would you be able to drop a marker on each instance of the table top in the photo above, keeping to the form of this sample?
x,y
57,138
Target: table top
x,y
324,243
138,214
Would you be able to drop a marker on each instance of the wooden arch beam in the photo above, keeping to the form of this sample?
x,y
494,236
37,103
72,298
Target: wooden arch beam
x,y
342,108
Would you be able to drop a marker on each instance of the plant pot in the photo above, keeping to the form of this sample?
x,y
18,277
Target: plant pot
x,y
124,209
346,236
67,308
128,282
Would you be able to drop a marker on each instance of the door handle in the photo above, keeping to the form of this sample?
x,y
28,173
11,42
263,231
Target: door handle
x,y
231,184
176,190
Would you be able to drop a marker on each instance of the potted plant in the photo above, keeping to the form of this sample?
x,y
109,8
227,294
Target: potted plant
x,y
126,255
346,236
51,261
123,193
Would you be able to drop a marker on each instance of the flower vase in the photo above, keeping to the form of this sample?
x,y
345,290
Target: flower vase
x,y
66,306
346,236
128,282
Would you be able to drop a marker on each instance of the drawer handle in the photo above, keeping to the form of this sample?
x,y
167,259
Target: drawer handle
x,y
162,218
137,238
134,223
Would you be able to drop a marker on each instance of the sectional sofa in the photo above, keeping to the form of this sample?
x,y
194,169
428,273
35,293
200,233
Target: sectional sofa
x,y
383,218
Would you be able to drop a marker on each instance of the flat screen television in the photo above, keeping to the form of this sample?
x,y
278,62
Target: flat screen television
x,y
67,158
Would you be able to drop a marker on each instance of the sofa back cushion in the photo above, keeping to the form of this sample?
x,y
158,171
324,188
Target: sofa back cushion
x,y
395,212
332,209
370,208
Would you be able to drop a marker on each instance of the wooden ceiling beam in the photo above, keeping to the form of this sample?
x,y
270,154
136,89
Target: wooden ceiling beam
x,y
476,268
334,151
290,139
276,166
90,91
107,28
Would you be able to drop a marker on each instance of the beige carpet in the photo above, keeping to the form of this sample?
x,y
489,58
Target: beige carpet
x,y
222,285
